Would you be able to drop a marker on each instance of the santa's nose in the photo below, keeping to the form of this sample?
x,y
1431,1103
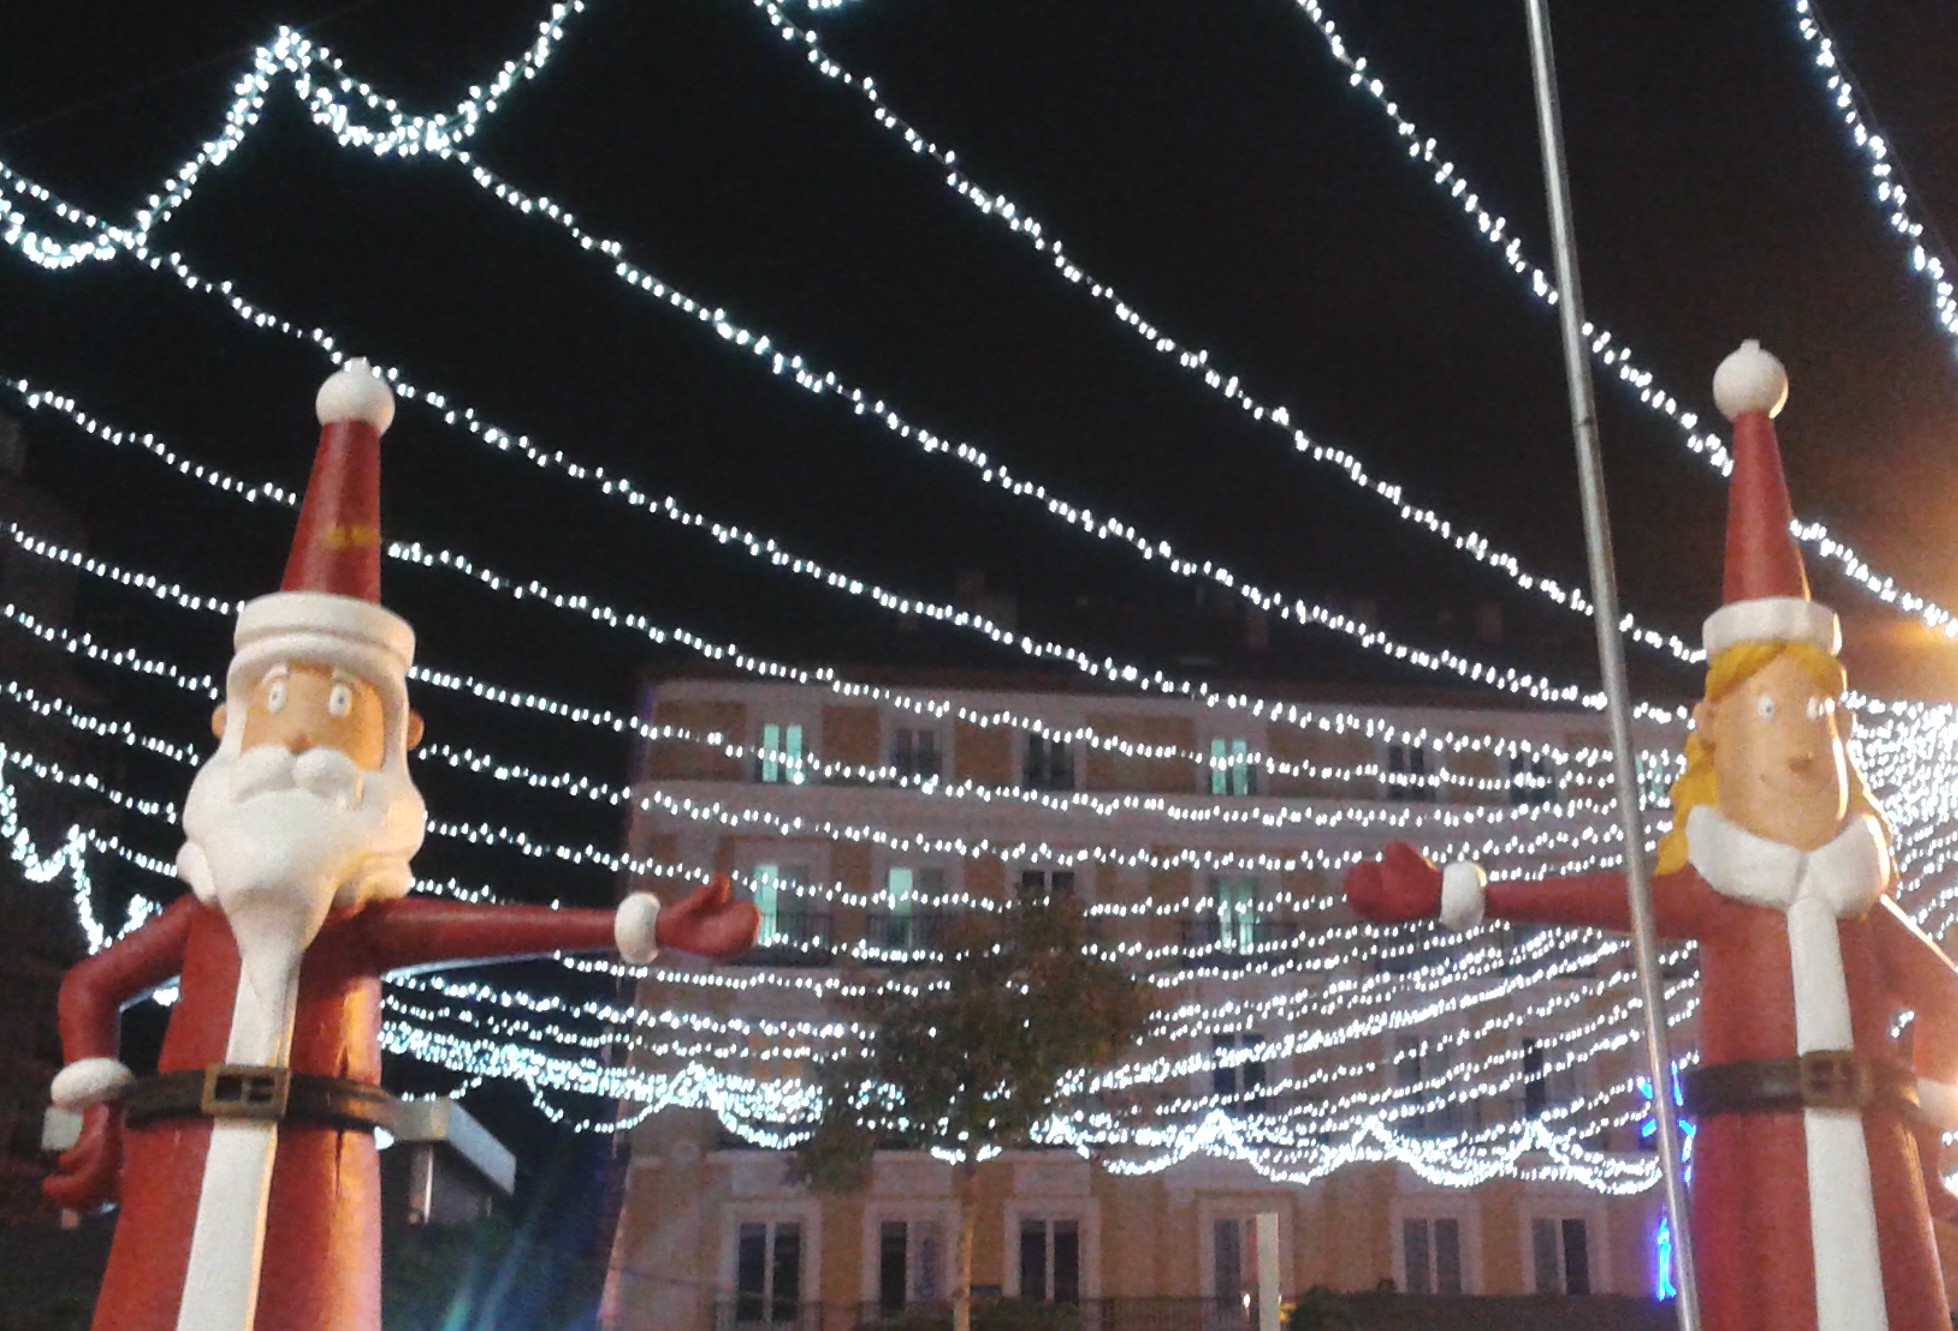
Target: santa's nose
x,y
1802,763
299,740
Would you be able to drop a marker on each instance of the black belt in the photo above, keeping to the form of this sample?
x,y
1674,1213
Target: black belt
x,y
1821,1079
241,1090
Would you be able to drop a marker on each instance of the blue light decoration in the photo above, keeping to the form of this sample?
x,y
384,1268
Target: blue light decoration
x,y
1648,1130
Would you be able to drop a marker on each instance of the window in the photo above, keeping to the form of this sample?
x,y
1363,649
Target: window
x,y
1050,1260
1234,901
1541,1088
900,924
1050,763
768,1272
785,917
1036,883
1407,774
1656,772
1234,1078
1422,1070
915,753
1532,781
779,742
1560,1254
910,1263
1431,1254
1231,777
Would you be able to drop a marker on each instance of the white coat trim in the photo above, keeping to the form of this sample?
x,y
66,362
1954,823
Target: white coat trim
x,y
227,1242
1816,889
1464,891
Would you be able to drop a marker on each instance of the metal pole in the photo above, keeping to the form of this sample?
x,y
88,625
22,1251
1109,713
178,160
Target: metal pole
x,y
1611,651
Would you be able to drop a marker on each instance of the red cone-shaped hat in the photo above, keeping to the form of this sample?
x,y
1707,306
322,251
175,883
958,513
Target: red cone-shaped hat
x,y
1765,588
328,606
337,547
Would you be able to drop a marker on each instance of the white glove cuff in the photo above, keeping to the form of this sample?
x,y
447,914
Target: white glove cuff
x,y
635,927
89,1081
1464,888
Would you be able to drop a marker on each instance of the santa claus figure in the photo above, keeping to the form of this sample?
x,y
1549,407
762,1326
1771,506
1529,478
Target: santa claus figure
x,y
246,1166
1810,1198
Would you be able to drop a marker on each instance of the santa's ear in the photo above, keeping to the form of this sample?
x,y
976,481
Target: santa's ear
x,y
1703,716
217,721
414,729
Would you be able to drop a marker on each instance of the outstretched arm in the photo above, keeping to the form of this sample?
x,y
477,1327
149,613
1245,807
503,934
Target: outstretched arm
x,y
94,991
1921,977
426,932
92,997
1402,886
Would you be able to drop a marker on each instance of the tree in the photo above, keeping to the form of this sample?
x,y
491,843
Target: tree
x,y
974,1055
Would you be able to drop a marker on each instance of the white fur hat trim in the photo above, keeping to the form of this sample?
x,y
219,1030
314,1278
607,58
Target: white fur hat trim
x,y
355,393
1773,619
358,636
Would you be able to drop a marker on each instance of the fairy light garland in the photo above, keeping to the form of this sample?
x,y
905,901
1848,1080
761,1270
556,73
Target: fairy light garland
x,y
295,56
36,399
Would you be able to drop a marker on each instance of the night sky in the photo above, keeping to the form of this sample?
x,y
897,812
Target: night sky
x,y
1208,159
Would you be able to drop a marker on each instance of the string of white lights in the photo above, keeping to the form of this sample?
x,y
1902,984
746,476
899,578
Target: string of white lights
x,y
296,57
594,610
1853,110
1018,220
535,1067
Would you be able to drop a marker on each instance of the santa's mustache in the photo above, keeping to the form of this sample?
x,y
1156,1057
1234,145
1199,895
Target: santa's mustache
x,y
265,769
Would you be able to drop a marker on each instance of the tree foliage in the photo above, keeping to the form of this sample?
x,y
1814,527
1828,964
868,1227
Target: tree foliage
x,y
976,1054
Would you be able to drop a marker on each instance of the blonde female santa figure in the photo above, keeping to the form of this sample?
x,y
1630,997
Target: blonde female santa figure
x,y
1810,1198
246,1166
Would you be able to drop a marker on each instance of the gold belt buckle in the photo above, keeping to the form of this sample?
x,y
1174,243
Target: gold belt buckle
x,y
245,1090
1836,1079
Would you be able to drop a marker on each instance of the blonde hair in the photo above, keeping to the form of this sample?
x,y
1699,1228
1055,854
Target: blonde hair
x,y
1725,673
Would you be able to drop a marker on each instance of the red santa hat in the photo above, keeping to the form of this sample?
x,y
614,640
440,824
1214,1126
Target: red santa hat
x,y
1766,589
328,606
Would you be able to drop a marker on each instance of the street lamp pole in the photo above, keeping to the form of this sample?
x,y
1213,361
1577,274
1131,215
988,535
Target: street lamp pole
x,y
1611,650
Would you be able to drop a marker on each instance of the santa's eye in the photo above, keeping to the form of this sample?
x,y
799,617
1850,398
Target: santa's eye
x,y
1764,707
1821,707
341,700
275,696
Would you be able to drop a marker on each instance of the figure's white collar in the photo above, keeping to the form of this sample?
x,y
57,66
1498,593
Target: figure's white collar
x,y
1848,874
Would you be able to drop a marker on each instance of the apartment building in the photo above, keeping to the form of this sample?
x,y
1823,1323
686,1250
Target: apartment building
x,y
1429,1113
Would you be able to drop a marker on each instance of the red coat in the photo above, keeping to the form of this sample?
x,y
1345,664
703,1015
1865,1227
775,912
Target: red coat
x,y
1750,1193
321,1257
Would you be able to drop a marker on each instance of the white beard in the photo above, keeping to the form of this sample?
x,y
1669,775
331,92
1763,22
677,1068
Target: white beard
x,y
276,841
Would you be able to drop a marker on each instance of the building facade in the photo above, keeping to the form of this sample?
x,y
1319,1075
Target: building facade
x,y
1433,1113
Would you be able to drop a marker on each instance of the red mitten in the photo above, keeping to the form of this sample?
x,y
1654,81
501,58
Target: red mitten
x,y
85,1176
1397,887
708,922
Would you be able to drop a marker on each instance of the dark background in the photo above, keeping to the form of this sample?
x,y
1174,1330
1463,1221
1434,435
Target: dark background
x,y
1209,159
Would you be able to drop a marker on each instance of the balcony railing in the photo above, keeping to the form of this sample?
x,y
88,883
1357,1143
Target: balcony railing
x,y
756,1313
905,930
1237,940
796,935
1143,1314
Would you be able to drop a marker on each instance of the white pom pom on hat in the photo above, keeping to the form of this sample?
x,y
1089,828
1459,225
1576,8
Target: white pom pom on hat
x,y
1750,379
355,393
1764,591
